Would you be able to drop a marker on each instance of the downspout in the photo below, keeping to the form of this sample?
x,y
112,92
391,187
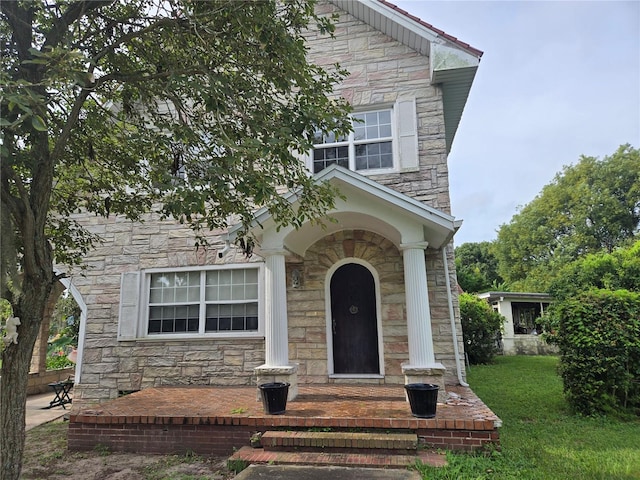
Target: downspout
x,y
452,317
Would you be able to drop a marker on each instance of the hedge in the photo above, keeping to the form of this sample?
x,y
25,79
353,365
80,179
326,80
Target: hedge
x,y
598,334
481,326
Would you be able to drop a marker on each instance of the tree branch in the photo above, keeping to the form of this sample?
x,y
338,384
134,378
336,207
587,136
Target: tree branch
x,y
138,33
16,208
70,124
72,14
20,20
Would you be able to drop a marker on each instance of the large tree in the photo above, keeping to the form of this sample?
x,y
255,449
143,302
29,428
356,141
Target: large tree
x,y
591,206
120,107
477,268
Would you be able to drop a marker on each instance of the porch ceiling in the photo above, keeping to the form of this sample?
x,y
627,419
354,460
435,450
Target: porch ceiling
x,y
367,206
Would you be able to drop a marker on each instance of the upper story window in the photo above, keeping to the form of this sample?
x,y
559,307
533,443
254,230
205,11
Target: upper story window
x,y
221,302
368,148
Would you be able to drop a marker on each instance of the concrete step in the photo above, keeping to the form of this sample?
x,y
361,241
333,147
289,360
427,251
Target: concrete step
x,y
340,442
249,455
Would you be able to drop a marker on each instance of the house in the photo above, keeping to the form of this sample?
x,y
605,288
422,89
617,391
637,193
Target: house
x,y
369,299
521,329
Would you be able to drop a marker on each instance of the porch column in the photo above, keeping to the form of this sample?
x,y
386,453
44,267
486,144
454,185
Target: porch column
x,y
276,343
276,334
422,366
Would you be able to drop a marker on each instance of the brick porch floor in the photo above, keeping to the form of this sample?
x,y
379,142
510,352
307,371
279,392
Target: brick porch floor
x,y
217,420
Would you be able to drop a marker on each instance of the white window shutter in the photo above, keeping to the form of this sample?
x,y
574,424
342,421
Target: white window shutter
x,y
407,128
129,306
304,158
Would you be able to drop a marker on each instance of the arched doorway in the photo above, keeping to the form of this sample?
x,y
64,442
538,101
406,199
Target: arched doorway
x,y
354,322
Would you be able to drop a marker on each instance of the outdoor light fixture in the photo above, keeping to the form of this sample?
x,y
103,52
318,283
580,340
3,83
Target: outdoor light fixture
x,y
296,278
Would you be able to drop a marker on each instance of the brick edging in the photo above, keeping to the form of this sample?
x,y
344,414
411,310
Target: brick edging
x,y
290,421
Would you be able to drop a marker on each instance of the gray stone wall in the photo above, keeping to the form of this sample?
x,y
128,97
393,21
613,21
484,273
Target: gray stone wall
x,y
307,307
110,366
382,70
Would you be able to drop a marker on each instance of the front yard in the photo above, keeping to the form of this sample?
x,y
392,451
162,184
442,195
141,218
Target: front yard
x,y
540,439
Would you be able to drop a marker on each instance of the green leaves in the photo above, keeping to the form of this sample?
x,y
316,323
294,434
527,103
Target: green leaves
x,y
477,267
37,122
103,104
598,333
481,327
619,269
590,206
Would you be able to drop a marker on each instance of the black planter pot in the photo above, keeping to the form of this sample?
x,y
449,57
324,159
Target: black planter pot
x,y
274,397
423,398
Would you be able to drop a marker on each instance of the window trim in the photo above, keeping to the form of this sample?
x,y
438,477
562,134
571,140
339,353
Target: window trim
x,y
351,143
143,326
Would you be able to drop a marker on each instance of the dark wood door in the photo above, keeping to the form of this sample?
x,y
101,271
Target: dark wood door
x,y
354,322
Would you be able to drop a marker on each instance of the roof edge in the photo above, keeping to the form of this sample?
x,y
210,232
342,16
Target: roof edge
x,y
437,31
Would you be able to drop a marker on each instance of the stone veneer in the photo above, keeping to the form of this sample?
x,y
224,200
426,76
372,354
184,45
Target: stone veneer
x,y
382,71
307,317
110,366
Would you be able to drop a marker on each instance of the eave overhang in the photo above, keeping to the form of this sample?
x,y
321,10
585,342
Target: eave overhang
x,y
516,296
367,205
452,63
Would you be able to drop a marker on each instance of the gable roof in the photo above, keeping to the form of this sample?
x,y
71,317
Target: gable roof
x,y
453,63
368,206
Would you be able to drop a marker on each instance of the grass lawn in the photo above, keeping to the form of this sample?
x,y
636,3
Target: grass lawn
x,y
540,439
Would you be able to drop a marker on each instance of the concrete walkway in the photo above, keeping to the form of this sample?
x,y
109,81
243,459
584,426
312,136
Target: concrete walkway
x,y
38,413
287,472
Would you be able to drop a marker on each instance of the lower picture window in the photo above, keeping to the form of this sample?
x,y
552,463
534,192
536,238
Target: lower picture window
x,y
204,302
236,317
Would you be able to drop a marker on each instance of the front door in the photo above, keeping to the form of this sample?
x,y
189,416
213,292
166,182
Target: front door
x,y
354,322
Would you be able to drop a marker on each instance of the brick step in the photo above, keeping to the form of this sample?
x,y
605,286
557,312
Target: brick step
x,y
260,456
337,442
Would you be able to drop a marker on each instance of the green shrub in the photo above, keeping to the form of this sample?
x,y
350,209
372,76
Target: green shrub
x,y
481,327
598,334
56,362
618,270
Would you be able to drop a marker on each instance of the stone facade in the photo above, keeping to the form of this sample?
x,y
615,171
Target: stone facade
x,y
110,366
383,71
307,317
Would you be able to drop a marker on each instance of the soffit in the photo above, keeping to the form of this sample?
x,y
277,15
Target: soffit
x,y
367,206
453,63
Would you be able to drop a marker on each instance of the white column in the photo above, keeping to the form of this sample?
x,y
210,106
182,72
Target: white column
x,y
417,298
276,330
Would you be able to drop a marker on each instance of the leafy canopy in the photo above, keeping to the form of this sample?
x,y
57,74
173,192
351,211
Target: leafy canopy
x,y
591,206
113,107
618,270
191,109
477,268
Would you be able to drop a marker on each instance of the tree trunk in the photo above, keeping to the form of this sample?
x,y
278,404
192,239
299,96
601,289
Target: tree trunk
x,y
16,360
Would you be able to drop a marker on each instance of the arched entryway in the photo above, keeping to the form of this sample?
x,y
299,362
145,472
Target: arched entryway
x,y
354,321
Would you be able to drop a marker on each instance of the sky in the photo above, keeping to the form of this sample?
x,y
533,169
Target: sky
x,y
558,79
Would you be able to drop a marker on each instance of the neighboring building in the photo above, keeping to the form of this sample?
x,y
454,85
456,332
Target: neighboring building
x,y
522,329
371,298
